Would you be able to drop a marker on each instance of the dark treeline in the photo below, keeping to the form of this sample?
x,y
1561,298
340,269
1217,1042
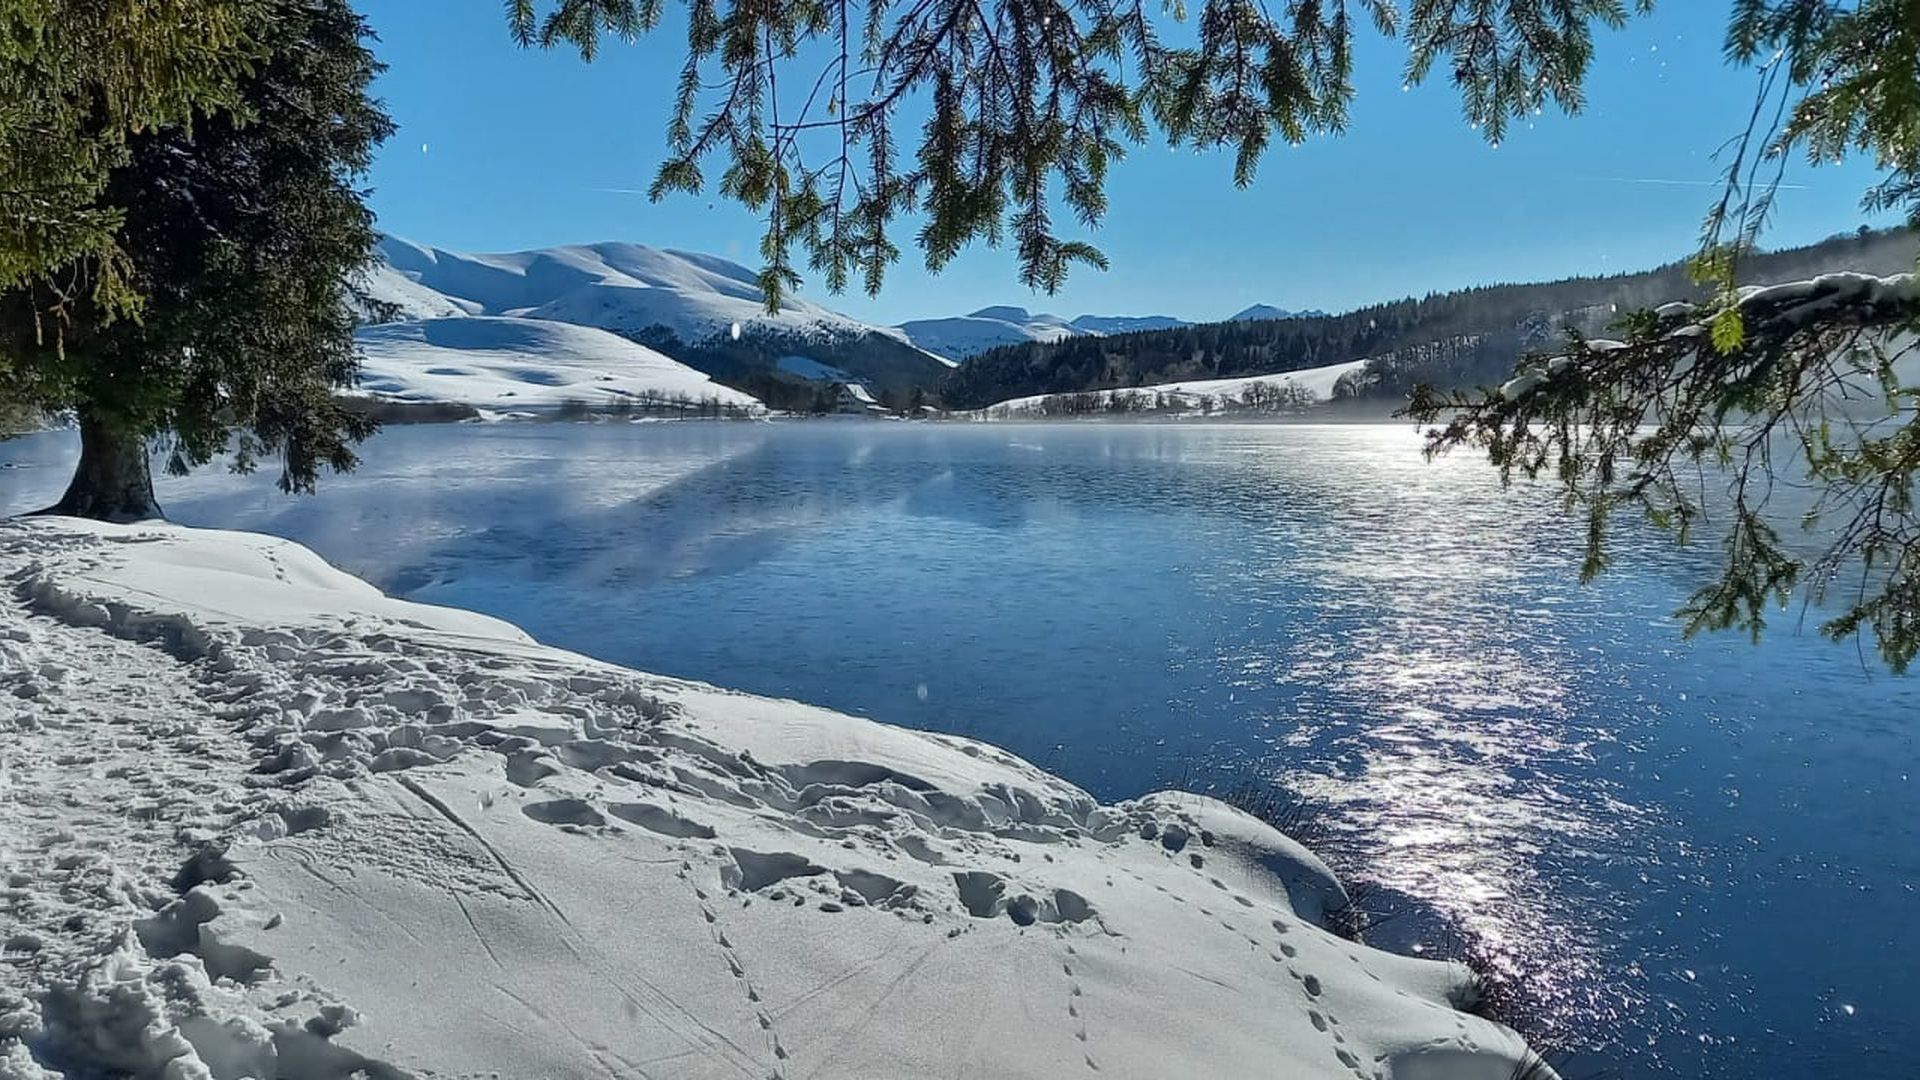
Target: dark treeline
x,y
1463,338
655,403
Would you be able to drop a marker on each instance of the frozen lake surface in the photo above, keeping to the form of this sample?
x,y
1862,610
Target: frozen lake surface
x,y
1702,855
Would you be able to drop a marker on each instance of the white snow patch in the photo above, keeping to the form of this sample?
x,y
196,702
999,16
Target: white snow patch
x,y
411,841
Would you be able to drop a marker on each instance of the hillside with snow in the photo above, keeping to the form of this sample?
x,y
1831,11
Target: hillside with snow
x,y
262,821
962,336
509,363
1264,312
701,310
1287,392
1469,337
1124,324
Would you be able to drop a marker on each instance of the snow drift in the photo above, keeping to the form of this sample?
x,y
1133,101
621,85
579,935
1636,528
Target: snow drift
x,y
263,821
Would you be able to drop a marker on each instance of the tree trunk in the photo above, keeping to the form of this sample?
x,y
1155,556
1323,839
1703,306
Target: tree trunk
x,y
114,480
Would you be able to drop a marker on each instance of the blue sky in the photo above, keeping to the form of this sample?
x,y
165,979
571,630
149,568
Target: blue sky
x,y
501,149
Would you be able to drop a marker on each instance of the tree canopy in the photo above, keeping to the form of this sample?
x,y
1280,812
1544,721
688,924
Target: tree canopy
x,y
1782,420
836,121
237,232
78,78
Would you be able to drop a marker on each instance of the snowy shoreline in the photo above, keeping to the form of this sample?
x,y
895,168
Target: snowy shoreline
x,y
258,819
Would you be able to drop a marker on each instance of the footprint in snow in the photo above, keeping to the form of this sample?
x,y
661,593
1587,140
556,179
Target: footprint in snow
x,y
564,812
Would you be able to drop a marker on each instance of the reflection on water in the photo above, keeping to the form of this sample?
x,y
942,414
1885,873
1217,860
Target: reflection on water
x,y
1699,857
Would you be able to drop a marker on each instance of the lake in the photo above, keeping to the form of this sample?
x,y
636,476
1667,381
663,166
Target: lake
x,y
1700,857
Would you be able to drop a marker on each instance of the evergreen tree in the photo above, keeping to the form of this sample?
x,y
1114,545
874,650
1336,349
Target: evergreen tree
x,y
239,230
77,79
1757,413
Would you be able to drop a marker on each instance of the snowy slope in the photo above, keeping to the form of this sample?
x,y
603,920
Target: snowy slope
x,y
626,288
262,821
395,296
700,309
506,362
1204,394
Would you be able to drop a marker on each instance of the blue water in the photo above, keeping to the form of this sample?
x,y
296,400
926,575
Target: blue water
x,y
1700,857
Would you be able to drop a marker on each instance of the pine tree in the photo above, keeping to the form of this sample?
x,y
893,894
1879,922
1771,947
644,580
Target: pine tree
x,y
239,230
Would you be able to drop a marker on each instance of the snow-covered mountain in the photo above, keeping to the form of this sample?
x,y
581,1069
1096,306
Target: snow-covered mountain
x,y
383,294
992,327
962,336
699,309
1260,312
504,362
1125,324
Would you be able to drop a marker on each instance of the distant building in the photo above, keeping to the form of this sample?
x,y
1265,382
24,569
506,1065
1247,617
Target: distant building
x,y
852,399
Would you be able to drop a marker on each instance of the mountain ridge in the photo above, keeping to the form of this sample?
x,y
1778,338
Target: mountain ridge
x,y
701,310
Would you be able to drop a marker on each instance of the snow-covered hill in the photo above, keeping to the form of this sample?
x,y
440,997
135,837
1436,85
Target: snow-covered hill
x,y
495,362
962,336
622,287
700,309
1283,392
1125,324
1259,312
262,821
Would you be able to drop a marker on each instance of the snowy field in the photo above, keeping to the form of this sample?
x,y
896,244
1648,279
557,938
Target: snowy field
x,y
260,820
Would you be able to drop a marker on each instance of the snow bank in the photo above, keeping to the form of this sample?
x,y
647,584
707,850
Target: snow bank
x,y
1316,384
263,821
510,362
